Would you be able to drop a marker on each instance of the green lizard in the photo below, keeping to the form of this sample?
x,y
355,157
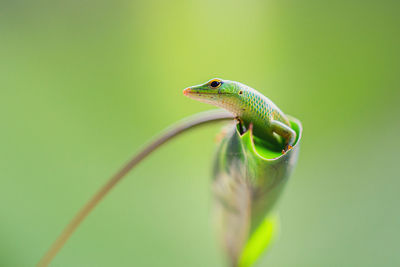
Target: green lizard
x,y
253,110
250,107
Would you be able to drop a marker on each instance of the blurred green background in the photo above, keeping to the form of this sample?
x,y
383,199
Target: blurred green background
x,y
84,84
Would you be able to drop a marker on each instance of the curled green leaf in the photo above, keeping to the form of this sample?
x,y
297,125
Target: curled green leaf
x,y
248,179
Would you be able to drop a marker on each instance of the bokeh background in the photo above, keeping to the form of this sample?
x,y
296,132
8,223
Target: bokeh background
x,y
84,84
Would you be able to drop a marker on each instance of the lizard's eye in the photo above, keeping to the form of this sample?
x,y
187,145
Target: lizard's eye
x,y
215,84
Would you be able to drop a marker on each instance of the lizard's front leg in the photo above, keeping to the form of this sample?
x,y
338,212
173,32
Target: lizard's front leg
x,y
286,132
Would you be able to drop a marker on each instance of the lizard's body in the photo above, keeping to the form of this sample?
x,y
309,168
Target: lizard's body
x,y
250,106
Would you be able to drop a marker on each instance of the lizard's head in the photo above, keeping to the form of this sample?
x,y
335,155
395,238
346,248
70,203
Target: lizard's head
x,y
216,91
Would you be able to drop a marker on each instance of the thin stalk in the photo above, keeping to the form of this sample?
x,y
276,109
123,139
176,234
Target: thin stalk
x,y
171,132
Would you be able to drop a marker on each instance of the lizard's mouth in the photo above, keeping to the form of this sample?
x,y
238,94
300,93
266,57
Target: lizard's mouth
x,y
190,92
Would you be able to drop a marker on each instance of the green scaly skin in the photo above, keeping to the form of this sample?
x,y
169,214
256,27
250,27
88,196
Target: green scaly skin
x,y
251,108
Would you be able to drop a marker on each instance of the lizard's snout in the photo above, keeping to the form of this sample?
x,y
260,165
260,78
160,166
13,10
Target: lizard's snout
x,y
187,91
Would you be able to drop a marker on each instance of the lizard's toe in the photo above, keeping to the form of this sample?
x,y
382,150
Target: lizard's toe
x,y
287,148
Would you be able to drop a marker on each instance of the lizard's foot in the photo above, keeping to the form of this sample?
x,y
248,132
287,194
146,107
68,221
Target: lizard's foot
x,y
287,148
242,128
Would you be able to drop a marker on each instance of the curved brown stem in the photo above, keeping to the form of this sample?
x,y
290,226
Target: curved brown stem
x,y
175,130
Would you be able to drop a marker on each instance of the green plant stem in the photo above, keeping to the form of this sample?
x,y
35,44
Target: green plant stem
x,y
171,132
